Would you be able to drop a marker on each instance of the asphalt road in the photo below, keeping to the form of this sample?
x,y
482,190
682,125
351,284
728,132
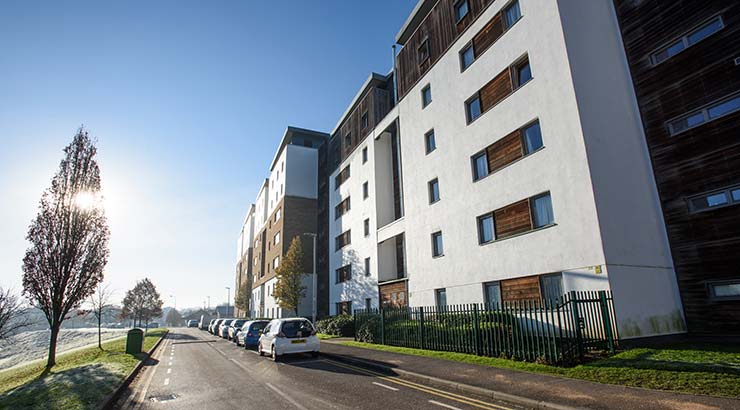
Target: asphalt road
x,y
193,370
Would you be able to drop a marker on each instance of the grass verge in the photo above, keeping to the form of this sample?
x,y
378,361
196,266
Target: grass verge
x,y
324,336
80,379
683,367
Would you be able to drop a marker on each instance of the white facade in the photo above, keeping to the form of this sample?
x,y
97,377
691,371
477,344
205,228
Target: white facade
x,y
608,231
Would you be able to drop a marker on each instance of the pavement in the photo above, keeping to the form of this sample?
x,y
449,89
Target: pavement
x,y
193,370
542,391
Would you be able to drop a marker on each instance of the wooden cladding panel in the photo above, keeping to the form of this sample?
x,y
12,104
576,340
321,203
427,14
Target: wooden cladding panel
x,y
496,90
376,102
393,294
440,29
505,151
698,160
527,288
488,35
513,219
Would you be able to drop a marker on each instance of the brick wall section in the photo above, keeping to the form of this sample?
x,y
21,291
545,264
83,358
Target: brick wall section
x,y
513,219
504,151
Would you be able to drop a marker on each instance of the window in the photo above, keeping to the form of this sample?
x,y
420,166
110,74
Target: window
x,y
364,155
467,56
423,51
440,297
486,231
725,290
492,293
342,208
365,190
676,46
277,215
344,239
276,262
366,224
344,308
426,96
716,199
512,14
522,73
552,287
472,108
437,246
433,191
710,112
342,176
461,10
542,211
348,141
480,166
532,138
277,238
367,266
368,304
344,273
429,141
364,120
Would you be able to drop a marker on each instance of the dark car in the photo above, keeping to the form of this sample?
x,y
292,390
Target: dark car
x,y
249,334
223,328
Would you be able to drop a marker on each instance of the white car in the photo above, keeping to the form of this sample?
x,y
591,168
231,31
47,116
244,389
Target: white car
x,y
287,336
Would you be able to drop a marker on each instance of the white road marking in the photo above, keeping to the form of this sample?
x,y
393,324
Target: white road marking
x,y
166,381
169,364
169,371
447,406
387,387
285,396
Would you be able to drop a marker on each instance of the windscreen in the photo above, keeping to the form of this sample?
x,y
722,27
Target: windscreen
x,y
297,328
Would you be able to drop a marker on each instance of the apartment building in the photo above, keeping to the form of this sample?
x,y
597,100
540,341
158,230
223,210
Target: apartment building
x,y
510,164
685,63
286,208
244,255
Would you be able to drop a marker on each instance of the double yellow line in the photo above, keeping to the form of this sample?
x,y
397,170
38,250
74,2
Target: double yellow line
x,y
420,387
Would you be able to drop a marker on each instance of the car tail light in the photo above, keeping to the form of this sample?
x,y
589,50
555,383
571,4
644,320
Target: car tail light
x,y
249,334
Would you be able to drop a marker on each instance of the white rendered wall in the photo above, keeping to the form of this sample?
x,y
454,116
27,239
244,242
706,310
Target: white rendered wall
x,y
360,286
261,206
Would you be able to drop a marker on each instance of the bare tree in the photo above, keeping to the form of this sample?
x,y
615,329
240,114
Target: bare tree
x,y
69,239
174,318
143,302
11,311
100,305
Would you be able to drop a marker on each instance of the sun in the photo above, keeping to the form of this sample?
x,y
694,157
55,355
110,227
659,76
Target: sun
x,y
86,200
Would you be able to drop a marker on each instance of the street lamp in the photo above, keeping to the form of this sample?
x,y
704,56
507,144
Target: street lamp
x,y
228,300
313,279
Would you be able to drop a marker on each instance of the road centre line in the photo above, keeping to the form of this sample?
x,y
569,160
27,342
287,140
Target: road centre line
x,y
285,396
383,385
166,381
169,371
444,405
431,390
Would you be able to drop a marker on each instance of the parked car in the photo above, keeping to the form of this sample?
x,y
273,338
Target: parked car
x,y
234,327
213,327
223,328
287,336
152,325
249,334
192,323
205,321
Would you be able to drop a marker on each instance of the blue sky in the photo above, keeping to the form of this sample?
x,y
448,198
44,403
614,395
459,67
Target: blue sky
x,y
188,101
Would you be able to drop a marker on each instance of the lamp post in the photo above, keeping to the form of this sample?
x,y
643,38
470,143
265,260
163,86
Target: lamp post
x,y
209,302
313,279
228,300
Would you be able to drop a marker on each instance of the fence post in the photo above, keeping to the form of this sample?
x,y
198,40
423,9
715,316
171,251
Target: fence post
x,y
577,322
606,320
422,334
476,330
354,323
382,326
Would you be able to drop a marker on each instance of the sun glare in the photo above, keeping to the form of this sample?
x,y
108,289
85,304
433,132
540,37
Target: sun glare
x,y
86,200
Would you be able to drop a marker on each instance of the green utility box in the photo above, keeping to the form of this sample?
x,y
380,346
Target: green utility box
x,y
134,341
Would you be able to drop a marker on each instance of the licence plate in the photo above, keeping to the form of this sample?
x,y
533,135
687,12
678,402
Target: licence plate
x,y
298,341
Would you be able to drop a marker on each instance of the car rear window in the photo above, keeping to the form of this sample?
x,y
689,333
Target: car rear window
x,y
256,327
226,322
238,323
297,328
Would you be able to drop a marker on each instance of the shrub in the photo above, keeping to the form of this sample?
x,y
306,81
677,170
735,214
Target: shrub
x,y
340,325
369,330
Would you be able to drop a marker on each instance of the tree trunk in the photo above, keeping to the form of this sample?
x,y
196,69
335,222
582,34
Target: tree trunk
x,y
52,360
100,345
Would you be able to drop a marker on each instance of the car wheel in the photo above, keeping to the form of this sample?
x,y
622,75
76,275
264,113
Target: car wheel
x,y
314,354
273,354
259,349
